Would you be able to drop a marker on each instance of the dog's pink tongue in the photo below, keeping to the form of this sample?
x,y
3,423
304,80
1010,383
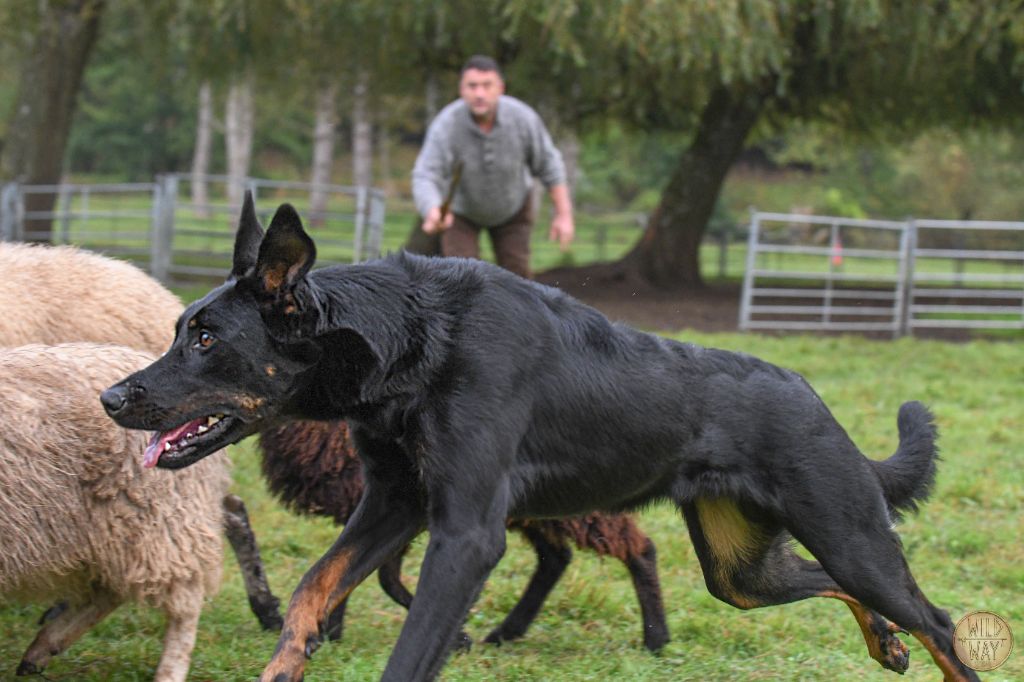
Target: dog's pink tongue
x,y
156,443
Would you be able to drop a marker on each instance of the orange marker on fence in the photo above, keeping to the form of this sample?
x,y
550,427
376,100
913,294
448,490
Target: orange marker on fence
x,y
837,252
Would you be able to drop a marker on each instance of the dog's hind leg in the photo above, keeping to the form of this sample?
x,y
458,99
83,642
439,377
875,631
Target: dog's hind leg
x,y
390,576
467,538
748,563
868,563
552,560
63,630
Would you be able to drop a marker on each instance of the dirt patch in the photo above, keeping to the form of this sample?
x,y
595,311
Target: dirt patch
x,y
715,308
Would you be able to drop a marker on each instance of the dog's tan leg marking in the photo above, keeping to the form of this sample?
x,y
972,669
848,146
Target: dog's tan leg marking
x,y
950,670
732,540
892,654
316,596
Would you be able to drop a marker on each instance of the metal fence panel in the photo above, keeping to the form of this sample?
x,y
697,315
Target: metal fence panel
x,y
822,273
114,218
967,275
180,234
347,226
834,274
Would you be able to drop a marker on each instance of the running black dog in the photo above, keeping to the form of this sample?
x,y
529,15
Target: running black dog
x,y
475,395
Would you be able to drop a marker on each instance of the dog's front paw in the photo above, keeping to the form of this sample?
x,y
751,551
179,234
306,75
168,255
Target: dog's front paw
x,y
281,677
287,665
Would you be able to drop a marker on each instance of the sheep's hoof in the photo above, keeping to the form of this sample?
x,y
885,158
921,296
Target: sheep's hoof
x,y
28,668
463,643
499,635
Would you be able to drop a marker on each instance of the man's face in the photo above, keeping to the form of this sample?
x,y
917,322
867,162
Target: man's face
x,y
481,90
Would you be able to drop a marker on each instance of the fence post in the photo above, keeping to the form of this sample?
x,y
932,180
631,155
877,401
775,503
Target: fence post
x,y
8,210
376,223
908,248
65,214
165,198
748,276
723,249
357,246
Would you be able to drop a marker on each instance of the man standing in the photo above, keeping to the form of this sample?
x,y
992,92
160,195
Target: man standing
x,y
497,143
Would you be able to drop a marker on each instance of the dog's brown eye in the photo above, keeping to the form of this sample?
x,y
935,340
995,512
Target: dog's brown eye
x,y
205,339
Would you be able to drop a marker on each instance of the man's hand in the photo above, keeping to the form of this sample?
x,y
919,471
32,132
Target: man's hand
x,y
563,229
433,222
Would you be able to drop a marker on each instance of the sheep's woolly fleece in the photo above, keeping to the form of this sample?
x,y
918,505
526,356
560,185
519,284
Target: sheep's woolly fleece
x,y
57,294
77,509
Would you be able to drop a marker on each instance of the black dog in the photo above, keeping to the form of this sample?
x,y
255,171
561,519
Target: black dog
x,y
475,396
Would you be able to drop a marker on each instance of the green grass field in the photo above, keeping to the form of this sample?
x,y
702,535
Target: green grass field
x,y
964,548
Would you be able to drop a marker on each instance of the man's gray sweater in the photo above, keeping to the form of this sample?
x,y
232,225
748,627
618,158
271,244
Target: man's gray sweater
x,y
496,166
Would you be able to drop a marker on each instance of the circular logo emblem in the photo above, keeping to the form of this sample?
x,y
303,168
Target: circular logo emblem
x,y
982,640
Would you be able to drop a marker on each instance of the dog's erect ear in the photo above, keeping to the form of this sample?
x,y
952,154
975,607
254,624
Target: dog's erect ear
x,y
247,240
286,253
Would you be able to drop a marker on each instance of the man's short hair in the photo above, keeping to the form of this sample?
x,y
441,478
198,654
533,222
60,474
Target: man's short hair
x,y
481,62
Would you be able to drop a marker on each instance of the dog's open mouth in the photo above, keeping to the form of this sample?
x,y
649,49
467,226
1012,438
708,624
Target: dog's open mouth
x,y
189,442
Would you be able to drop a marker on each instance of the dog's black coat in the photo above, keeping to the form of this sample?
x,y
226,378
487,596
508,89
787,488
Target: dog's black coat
x,y
475,395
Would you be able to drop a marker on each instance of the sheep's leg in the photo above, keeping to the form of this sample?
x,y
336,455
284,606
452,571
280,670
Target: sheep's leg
x,y
643,569
64,630
183,608
243,541
552,560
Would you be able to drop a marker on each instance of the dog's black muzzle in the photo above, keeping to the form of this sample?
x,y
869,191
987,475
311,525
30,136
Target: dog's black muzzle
x,y
122,402
114,399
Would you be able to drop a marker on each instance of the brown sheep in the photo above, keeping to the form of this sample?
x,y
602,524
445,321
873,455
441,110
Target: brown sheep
x,y
313,469
82,522
58,294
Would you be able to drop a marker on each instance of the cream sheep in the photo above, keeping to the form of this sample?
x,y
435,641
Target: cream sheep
x,y
58,294
82,522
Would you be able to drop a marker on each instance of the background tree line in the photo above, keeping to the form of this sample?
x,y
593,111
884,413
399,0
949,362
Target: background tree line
x,y
656,100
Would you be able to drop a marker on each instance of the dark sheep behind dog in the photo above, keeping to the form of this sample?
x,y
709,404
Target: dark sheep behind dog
x,y
313,469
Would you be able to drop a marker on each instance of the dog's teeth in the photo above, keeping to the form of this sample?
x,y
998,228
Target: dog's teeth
x,y
202,429
167,445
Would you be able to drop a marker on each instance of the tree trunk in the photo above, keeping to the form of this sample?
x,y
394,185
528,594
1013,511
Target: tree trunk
x,y
54,61
668,253
326,119
362,134
384,164
569,144
239,119
431,97
201,153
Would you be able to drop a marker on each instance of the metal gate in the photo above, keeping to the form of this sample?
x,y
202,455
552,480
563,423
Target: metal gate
x,y
177,239
966,275
821,273
818,273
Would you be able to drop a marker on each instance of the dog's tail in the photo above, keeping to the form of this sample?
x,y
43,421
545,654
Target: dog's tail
x,y
907,477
